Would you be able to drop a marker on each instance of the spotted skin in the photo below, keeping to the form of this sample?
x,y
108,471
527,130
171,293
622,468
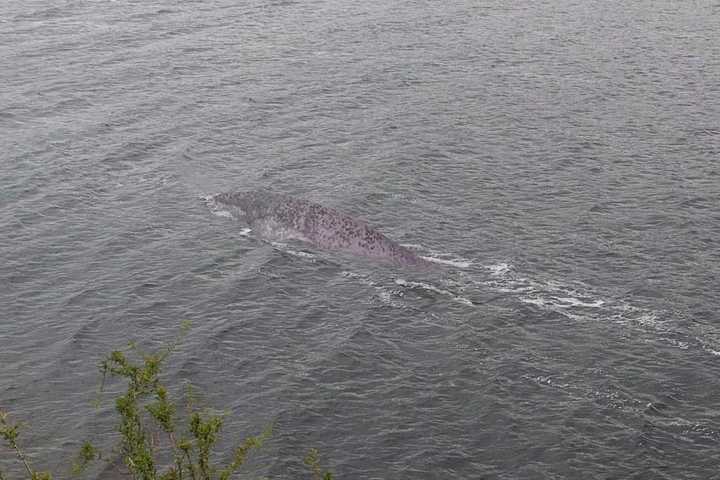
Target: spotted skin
x,y
284,217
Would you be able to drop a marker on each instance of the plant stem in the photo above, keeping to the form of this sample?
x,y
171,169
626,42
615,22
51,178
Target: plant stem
x,y
177,453
22,458
190,465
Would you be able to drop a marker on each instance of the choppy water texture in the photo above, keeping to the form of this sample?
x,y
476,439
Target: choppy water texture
x,y
560,157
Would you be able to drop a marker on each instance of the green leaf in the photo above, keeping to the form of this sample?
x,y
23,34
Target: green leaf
x,y
87,454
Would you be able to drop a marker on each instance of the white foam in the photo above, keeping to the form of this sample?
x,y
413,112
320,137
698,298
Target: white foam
x,y
299,253
558,304
348,273
499,269
649,319
454,263
709,347
443,258
432,288
415,246
388,298
547,380
221,213
296,253
534,301
574,302
676,343
580,304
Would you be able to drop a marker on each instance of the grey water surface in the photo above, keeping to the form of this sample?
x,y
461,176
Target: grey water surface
x,y
560,157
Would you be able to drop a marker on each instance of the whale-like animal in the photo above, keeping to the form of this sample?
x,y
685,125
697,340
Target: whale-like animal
x,y
282,217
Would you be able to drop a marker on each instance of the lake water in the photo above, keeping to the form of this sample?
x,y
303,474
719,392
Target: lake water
x,y
562,157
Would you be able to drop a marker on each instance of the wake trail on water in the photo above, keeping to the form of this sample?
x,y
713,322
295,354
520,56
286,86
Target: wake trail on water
x,y
582,303
462,277
575,301
441,258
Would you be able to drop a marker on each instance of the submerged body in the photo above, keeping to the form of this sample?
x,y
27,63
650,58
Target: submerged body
x,y
283,217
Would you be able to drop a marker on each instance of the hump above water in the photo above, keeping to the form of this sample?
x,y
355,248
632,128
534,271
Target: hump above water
x,y
283,217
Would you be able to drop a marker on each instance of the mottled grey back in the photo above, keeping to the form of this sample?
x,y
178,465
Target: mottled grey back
x,y
277,215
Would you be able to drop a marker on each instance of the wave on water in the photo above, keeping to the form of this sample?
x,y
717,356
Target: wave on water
x,y
442,258
387,296
569,300
574,301
580,303
432,288
284,247
452,263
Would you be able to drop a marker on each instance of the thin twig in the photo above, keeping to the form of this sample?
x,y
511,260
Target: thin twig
x,y
176,449
190,464
21,456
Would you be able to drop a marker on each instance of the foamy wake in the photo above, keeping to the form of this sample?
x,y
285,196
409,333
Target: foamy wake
x,y
580,303
295,253
433,288
498,269
452,263
390,296
443,258
572,301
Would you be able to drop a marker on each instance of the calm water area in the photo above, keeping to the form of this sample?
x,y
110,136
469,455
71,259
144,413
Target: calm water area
x,y
561,158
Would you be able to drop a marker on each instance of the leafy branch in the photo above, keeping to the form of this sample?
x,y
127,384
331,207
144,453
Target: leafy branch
x,y
146,410
10,432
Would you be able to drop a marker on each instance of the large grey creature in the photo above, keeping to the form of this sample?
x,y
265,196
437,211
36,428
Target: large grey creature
x,y
281,217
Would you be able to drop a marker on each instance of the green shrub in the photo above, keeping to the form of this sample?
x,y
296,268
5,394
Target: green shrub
x,y
145,408
10,432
